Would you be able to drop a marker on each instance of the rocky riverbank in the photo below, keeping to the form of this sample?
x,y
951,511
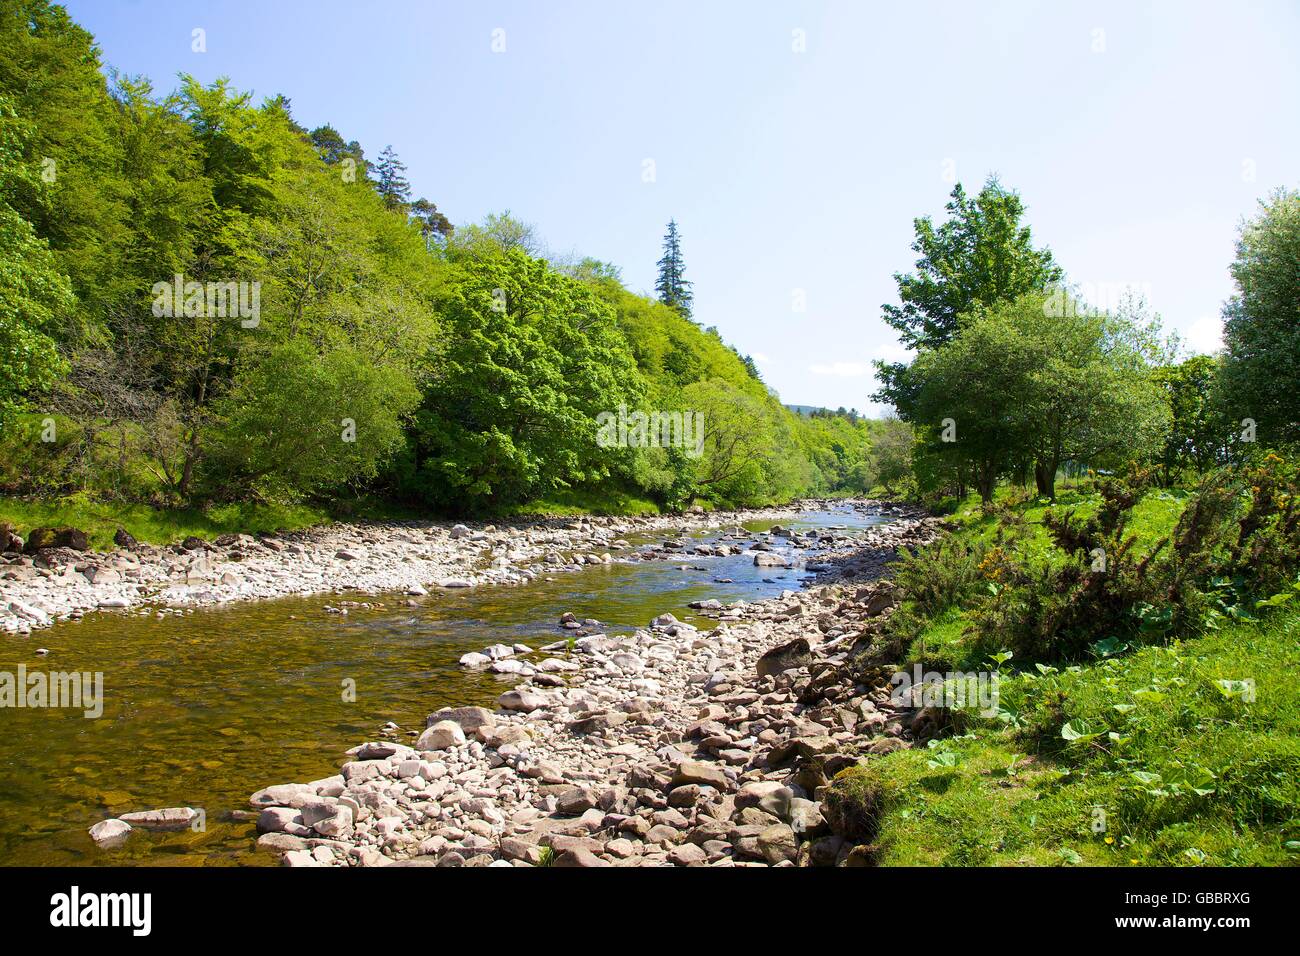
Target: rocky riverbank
x,y
669,746
58,582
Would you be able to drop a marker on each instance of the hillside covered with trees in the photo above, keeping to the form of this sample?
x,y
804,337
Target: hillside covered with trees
x,y
260,312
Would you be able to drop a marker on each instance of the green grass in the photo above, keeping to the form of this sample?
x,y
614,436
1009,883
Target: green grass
x,y
100,520
575,502
1194,774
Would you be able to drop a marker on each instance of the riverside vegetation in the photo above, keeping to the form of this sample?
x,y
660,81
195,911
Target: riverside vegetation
x,y
1119,544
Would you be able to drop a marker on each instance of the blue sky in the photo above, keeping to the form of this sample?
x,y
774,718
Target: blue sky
x,y
1139,134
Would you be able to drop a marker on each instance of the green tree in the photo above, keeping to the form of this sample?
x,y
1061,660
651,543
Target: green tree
x,y
672,285
1198,431
296,421
530,359
1019,384
980,256
1261,374
32,290
390,180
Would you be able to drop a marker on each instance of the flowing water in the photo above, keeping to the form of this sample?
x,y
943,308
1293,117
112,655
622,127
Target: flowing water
x,y
201,710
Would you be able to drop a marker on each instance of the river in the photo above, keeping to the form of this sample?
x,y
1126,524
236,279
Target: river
x,y
202,709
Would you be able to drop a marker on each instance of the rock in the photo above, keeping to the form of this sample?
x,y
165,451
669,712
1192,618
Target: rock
x,y
777,843
596,723
469,719
193,544
278,819
499,737
766,795
704,774
687,854
171,818
578,856
521,700
475,659
108,834
513,848
41,538
769,559
344,554
10,541
123,539
282,795
443,735
29,612
576,801
784,657
460,531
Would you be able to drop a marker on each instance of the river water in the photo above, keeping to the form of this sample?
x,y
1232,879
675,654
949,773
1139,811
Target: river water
x,y
201,710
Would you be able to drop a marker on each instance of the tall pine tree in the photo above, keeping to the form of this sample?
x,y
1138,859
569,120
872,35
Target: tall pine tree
x,y
673,287
391,182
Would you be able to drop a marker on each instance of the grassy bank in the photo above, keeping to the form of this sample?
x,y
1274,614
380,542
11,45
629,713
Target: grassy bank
x,y
1170,763
162,526
101,520
1144,750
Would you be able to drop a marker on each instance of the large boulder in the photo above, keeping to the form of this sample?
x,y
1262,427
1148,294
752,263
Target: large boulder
x,y
9,538
42,538
443,735
704,774
469,719
784,657
777,844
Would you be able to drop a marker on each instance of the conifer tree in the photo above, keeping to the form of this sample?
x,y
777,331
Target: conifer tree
x,y
673,287
391,182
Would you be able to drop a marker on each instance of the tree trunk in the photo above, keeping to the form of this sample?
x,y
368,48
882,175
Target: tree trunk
x,y
1045,479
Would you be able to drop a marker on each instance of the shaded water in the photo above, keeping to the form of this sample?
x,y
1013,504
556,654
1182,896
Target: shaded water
x,y
203,709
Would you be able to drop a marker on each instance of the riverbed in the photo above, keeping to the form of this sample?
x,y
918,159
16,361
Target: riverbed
x,y
203,708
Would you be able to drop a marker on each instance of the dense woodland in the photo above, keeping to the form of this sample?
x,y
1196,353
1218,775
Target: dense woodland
x,y
456,369
202,301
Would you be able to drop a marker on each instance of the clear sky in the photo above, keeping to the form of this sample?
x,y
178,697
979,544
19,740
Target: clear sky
x,y
793,142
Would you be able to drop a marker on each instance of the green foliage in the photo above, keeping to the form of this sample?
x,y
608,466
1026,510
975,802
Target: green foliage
x,y
672,285
101,520
531,358
1177,755
1198,432
1107,567
1261,378
297,422
32,291
981,256
1082,392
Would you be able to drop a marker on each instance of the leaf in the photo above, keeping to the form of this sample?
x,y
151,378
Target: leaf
x,y
944,759
1078,732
